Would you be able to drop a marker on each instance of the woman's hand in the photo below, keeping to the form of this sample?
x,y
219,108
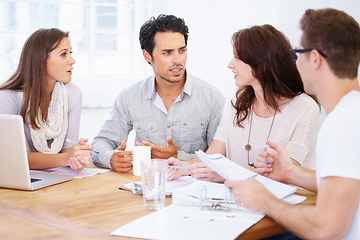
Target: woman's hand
x,y
174,173
79,155
201,171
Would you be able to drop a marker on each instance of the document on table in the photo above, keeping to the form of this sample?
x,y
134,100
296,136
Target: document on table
x,y
186,222
202,193
205,210
233,171
182,220
86,172
170,186
187,218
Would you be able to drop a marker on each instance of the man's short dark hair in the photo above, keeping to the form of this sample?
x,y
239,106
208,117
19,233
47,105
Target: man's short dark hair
x,y
337,35
163,23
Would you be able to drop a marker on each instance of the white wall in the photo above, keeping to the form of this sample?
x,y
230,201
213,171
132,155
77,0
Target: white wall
x,y
212,22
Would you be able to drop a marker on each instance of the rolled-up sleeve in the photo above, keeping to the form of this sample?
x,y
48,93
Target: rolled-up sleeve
x,y
114,130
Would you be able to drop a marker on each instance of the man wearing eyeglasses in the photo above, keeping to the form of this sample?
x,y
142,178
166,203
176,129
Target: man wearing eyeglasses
x,y
328,57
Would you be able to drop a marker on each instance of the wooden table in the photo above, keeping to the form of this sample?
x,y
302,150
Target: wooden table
x,y
87,208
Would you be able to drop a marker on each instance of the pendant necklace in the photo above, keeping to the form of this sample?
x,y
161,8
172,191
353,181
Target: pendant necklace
x,y
248,145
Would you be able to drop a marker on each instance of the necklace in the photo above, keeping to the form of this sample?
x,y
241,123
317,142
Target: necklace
x,y
248,145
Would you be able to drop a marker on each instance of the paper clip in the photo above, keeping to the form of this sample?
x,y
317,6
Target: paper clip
x,y
214,204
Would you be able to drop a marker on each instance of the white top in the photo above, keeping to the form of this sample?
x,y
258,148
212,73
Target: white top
x,y
338,146
294,128
11,102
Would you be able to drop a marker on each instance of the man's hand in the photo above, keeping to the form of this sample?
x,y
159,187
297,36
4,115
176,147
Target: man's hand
x,y
162,152
278,166
121,159
249,193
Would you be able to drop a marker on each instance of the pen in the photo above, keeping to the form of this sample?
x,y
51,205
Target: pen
x,y
251,177
266,162
72,141
177,167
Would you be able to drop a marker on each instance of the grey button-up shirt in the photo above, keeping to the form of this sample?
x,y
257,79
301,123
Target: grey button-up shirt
x,y
192,119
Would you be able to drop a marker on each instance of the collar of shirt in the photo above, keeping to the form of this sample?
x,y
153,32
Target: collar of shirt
x,y
151,91
154,96
158,102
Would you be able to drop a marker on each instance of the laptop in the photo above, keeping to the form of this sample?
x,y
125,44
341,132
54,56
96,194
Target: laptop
x,y
14,166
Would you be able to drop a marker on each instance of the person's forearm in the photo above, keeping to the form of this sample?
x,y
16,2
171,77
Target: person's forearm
x,y
44,161
105,147
103,158
301,220
303,177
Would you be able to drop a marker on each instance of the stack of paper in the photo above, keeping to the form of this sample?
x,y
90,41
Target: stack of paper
x,y
187,218
169,185
205,194
233,171
86,172
187,222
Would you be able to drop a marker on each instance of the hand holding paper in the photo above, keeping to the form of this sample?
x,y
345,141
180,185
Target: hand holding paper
x,y
201,171
232,171
249,193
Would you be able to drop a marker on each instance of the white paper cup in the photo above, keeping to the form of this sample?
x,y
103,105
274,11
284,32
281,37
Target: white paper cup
x,y
140,153
154,173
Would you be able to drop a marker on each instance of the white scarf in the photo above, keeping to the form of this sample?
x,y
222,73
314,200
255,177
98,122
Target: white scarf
x,y
56,124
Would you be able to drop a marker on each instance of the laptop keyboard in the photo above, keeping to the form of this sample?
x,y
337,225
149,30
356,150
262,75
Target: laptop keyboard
x,y
35,179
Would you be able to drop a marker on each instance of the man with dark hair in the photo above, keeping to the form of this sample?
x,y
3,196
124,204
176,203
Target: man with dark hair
x,y
328,60
163,23
173,112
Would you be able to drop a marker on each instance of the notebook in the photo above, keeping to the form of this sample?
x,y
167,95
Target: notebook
x,y
14,166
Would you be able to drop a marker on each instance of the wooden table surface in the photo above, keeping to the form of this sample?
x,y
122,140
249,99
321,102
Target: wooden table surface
x,y
88,208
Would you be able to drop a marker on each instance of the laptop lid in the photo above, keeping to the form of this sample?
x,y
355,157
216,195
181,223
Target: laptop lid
x,y
14,170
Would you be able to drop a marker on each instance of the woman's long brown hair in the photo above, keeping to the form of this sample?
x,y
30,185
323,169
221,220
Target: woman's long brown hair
x,y
29,76
266,50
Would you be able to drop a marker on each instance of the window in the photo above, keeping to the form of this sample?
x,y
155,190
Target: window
x,y
103,33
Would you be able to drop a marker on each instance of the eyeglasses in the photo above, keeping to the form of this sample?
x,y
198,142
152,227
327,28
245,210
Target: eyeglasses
x,y
294,52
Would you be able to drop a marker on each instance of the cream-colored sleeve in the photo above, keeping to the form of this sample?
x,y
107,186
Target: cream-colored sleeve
x,y
222,132
301,145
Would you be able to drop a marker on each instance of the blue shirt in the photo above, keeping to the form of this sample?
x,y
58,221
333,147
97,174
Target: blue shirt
x,y
192,119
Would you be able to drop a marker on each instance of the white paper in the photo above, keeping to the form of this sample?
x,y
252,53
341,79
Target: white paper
x,y
224,167
294,199
170,186
206,190
86,172
206,195
187,219
233,171
185,222
182,181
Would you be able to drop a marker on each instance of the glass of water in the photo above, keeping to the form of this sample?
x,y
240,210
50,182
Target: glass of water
x,y
153,176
